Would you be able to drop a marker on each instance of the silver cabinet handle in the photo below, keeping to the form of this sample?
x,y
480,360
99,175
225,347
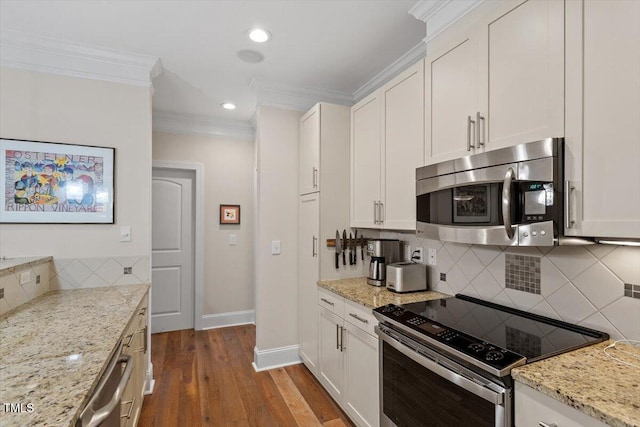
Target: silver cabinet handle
x,y
355,316
131,403
315,177
381,212
479,132
342,347
543,424
469,122
103,413
313,247
337,337
568,189
375,212
326,300
506,202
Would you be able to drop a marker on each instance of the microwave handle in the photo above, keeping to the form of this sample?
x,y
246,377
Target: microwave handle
x,y
506,202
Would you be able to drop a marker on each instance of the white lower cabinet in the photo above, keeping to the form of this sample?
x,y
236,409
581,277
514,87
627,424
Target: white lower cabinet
x,y
534,409
349,358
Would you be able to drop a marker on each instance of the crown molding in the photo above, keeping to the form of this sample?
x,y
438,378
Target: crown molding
x,y
48,55
190,124
300,98
441,14
410,57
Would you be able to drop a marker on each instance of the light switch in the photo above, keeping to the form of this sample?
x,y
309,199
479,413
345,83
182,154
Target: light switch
x,y
275,247
233,239
125,233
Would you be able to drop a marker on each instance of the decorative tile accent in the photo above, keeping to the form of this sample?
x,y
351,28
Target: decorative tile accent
x,y
522,273
632,291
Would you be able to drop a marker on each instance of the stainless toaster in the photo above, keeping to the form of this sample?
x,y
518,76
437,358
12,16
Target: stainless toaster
x,y
406,277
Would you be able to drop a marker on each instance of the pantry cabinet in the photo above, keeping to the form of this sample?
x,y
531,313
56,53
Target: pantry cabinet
x,y
602,114
534,409
387,145
495,79
308,262
349,357
324,164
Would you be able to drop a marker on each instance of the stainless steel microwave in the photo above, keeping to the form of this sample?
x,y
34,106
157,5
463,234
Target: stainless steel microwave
x,y
510,197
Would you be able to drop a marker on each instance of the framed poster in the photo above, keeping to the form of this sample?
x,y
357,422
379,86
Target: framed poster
x,y
47,182
229,214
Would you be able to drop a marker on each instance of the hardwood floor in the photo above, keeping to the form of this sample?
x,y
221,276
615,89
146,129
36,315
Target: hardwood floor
x,y
205,378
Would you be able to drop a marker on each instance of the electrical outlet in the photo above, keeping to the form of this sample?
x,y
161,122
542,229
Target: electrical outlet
x,y
418,255
128,270
432,256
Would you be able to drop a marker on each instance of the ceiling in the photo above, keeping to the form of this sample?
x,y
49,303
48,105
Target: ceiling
x,y
335,45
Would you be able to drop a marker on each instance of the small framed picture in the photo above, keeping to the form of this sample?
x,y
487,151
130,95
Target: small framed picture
x,y
229,214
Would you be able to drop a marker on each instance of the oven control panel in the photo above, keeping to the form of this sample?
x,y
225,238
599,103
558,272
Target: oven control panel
x,y
480,350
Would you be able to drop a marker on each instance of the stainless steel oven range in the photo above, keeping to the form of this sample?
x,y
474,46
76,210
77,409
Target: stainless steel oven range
x,y
448,362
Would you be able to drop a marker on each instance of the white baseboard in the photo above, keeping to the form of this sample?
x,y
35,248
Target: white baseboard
x,y
275,357
222,320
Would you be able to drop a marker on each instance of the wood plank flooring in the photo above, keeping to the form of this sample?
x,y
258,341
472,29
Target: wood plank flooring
x,y
205,378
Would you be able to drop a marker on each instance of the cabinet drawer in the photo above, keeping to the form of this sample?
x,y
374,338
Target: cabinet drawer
x,y
360,316
332,302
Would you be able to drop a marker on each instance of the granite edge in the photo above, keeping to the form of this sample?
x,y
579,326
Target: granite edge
x,y
8,270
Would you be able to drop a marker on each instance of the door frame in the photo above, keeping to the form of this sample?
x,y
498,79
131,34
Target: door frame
x,y
198,193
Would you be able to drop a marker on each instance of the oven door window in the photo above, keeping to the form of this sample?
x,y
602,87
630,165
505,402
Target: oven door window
x,y
413,396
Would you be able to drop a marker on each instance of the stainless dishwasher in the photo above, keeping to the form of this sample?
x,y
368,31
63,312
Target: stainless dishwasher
x,y
105,400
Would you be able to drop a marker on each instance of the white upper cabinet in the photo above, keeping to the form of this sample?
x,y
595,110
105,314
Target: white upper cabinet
x,y
366,164
309,154
495,79
387,145
603,118
403,146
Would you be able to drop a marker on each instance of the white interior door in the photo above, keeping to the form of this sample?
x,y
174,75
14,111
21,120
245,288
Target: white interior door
x,y
172,255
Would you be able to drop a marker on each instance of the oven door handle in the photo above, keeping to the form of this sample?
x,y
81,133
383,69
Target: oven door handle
x,y
497,398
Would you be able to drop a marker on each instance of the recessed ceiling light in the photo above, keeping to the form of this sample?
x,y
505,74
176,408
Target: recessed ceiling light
x,y
228,106
250,56
259,35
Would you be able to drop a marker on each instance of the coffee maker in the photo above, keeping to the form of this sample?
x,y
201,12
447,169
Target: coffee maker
x,y
382,252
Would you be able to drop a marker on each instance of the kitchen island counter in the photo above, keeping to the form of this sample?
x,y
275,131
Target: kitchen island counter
x,y
591,381
54,349
357,290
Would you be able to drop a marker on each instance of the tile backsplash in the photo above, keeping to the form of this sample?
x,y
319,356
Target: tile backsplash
x,y
73,273
585,285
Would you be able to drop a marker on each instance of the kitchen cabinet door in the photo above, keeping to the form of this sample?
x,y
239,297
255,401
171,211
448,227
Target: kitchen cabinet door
x,y
603,107
331,353
308,262
366,161
403,143
309,155
534,409
521,72
451,96
361,390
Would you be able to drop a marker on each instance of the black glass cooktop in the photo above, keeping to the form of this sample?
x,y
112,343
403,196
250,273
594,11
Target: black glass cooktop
x,y
490,332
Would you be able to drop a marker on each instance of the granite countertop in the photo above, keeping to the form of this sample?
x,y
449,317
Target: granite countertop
x,y
55,347
357,290
590,381
9,265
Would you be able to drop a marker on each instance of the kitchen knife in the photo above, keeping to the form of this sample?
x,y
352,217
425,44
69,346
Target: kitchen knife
x,y
355,247
351,249
344,240
338,249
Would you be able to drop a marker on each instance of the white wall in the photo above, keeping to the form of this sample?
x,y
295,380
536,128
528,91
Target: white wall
x,y
53,108
277,219
228,179
583,285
